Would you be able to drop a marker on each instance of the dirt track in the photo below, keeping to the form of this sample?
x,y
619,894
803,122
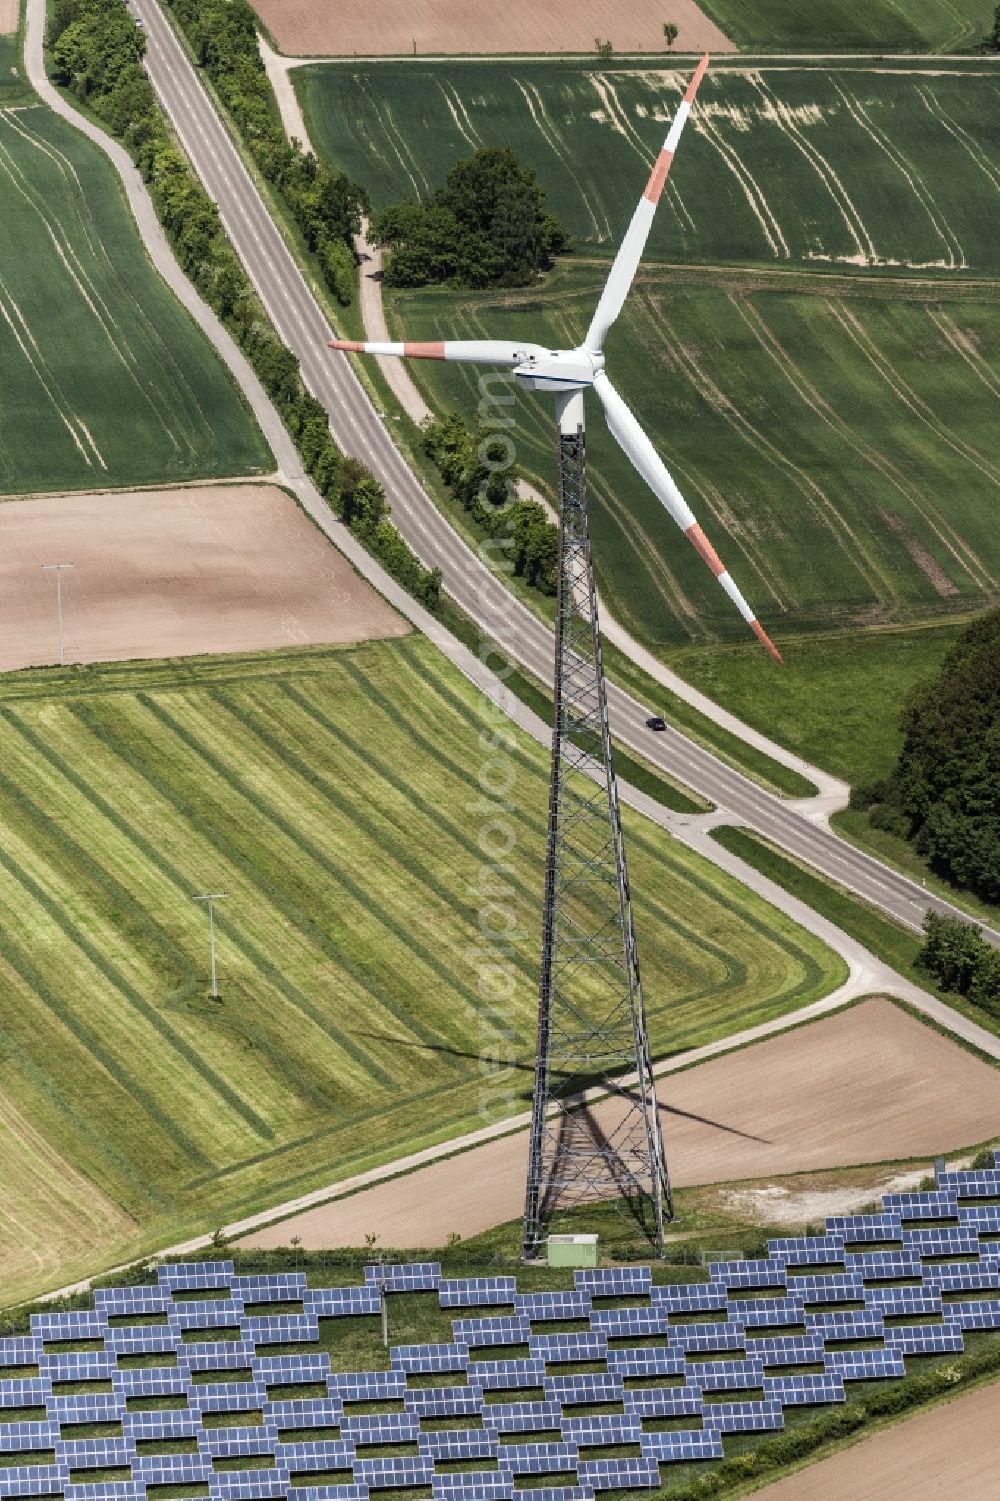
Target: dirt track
x,y
170,573
390,27
949,1451
865,1085
8,16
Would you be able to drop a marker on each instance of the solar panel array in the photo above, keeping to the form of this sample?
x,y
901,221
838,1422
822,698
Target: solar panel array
x,y
723,1357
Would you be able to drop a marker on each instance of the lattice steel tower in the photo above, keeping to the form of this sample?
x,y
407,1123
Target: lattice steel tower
x,y
591,1022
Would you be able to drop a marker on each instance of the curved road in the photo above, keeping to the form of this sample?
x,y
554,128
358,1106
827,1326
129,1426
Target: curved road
x,y
359,431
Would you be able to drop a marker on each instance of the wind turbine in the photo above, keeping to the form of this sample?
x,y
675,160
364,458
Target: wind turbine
x,y
592,1038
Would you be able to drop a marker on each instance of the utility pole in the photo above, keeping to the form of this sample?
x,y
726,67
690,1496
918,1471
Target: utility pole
x,y
58,569
210,900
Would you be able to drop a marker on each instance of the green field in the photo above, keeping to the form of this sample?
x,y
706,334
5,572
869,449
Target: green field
x,y
801,166
849,25
328,793
106,380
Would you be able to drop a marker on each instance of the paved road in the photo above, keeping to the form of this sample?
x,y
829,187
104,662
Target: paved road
x,y
359,431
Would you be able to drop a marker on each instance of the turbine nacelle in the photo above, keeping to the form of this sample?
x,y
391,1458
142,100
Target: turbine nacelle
x,y
560,370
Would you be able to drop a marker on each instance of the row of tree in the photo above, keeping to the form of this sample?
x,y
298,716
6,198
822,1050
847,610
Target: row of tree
x,y
957,956
325,204
487,227
97,53
944,793
475,464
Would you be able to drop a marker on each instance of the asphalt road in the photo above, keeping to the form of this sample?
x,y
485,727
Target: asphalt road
x,y
358,430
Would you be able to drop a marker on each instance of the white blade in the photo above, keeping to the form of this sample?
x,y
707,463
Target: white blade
x,y
626,431
470,351
630,253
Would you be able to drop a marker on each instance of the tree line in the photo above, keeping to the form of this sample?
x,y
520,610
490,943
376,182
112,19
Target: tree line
x,y
956,955
97,53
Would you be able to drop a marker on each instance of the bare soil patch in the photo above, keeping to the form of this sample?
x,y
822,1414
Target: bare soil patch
x,y
171,573
9,10
393,27
948,1451
870,1084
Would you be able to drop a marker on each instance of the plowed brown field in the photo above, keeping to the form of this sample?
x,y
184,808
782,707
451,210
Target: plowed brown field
x,y
869,1084
382,28
172,573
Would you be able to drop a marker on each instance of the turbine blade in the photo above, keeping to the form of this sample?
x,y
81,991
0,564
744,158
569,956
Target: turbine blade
x,y
471,351
626,431
630,252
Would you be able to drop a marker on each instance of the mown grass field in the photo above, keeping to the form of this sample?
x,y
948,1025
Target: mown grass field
x,y
107,381
808,165
848,25
329,793
833,441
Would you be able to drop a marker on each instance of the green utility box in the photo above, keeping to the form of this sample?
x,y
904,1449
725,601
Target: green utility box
x,y
572,1250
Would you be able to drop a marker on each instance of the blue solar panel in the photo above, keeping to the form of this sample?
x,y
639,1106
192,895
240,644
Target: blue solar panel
x,y
943,1240
245,1440
982,1217
481,1333
248,1485
394,1473
381,1427
271,1287
602,1429
405,1277
767,1313
744,1417
707,1337
886,1266
557,1305
20,1349
925,1339
618,1474
151,1381
982,1184
342,1302
17,1438
727,1375
847,1287
808,1250
316,1455
216,1356
537,1459
858,1229
80,1324
424,1359
140,1339
32,1480
683,1445
95,1453
172,1469
194,1276
460,1443
280,1329
804,1391
979,1313
367,1386
630,1323
591,1387
614,1281
347,1492
863,1324
636,1362
155,1426
304,1412
689,1297
746,1274
663,1401
963,1277
107,1490
473,1485
559,1493
522,1417
789,1350
936,1205
86,1407
29,1391
903,1302
477,1292
291,1370
556,1348
506,1375
77,1365
864,1365
227,1396
443,1401
210,1313
120,1302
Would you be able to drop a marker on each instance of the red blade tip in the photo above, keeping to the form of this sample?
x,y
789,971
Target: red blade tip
x,y
349,346
766,642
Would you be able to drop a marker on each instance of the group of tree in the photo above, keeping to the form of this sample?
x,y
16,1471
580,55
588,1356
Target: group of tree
x,y
487,227
944,793
97,53
325,204
605,49
475,466
957,956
